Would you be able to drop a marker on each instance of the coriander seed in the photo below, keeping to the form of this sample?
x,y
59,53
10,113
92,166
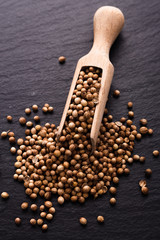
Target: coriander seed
x,y
44,227
112,201
83,221
13,150
61,59
100,219
50,109
39,221
4,195
17,221
116,93
45,109
143,121
22,120
148,172
49,216
24,205
4,134
35,108
155,153
144,190
28,111
9,118
130,104
60,200
33,221
33,207
36,118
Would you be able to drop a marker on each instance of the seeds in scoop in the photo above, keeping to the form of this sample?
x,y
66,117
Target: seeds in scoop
x,y
36,118
48,204
33,221
4,195
4,134
61,59
9,118
13,150
35,108
28,111
143,121
49,216
112,201
34,207
148,172
44,227
60,200
143,130
22,120
39,221
50,109
17,221
100,219
142,183
130,104
155,153
116,93
83,221
144,190
24,205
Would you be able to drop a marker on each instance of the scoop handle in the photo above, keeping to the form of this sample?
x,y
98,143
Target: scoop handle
x,y
108,22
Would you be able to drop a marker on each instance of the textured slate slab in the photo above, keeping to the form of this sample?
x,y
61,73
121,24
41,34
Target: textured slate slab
x,y
33,34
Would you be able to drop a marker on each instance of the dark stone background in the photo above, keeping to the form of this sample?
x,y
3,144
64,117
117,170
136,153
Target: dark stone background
x,y
33,34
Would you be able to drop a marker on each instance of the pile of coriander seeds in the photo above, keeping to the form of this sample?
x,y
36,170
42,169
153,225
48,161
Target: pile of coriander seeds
x,y
65,166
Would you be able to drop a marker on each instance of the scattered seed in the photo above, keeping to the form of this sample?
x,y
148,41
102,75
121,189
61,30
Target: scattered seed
x,y
28,111
112,201
4,134
144,190
142,183
36,118
44,227
148,172
49,216
61,59
116,93
142,159
50,109
34,207
33,221
60,200
9,118
52,210
17,221
4,195
100,219
83,221
143,130
155,153
39,221
22,120
45,109
131,114
130,104
35,108
13,150
150,131
29,124
24,205
143,121
48,204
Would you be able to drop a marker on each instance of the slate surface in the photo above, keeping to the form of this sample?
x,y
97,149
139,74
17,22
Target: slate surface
x,y
33,34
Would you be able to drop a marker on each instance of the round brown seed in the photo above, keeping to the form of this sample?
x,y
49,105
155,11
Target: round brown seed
x,y
33,207
155,153
48,204
49,216
39,221
4,134
100,219
9,118
33,221
143,130
112,201
22,120
143,121
4,195
145,190
28,111
61,59
17,221
116,93
83,221
142,183
148,172
130,104
35,108
24,205
44,227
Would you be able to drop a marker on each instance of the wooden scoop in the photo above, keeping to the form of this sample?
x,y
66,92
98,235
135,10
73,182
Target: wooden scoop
x,y
108,22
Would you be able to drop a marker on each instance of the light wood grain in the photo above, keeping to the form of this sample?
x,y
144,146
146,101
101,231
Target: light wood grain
x,y
108,22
